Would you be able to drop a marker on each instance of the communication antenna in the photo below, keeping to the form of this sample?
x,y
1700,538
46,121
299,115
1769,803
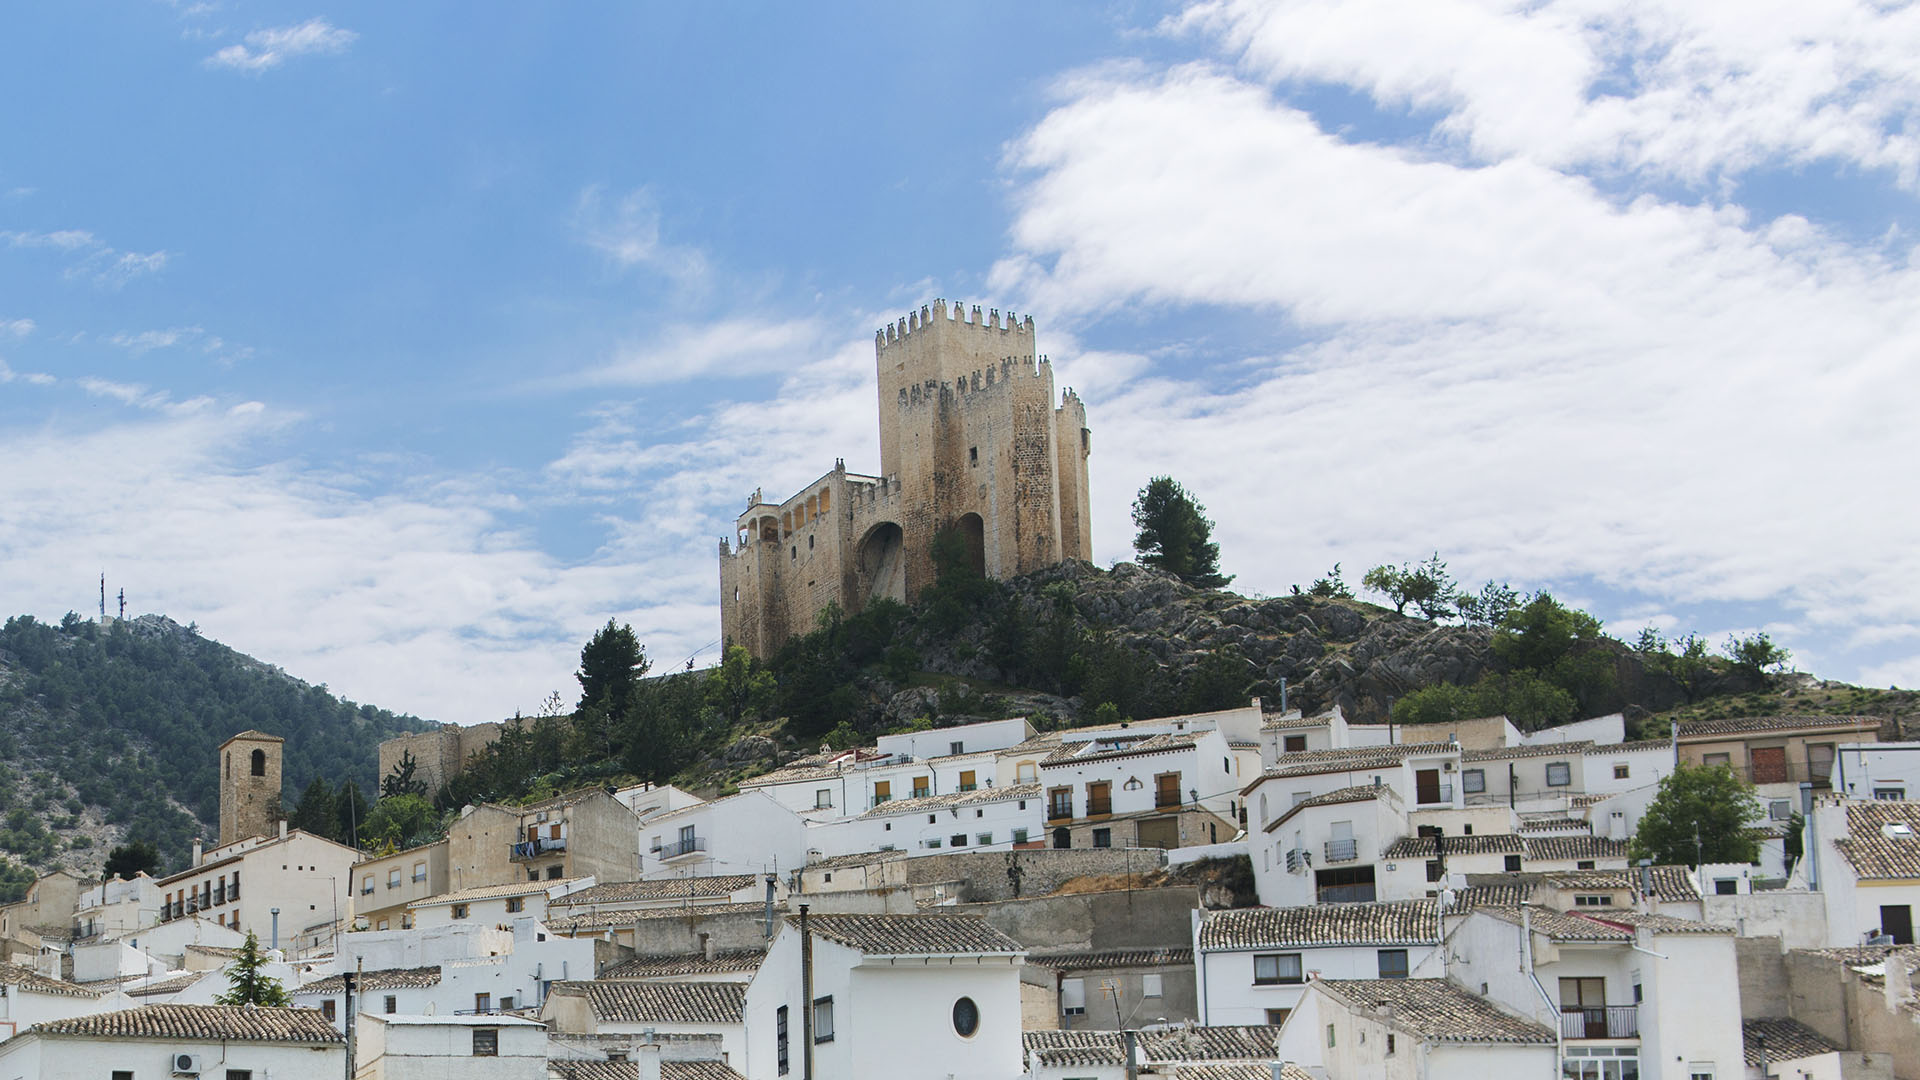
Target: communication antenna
x,y
123,604
103,596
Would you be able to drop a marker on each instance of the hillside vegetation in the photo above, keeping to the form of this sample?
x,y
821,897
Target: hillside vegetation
x,y
111,732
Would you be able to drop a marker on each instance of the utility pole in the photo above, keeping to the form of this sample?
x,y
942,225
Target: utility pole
x,y
806,997
1698,847
347,978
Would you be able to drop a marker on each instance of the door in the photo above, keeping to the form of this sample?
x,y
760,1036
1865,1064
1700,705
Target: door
x,y
1896,921
1159,833
1583,1008
1426,786
1820,764
1769,764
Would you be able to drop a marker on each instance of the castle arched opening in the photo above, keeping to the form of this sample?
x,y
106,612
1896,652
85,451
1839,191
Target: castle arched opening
x,y
880,563
259,763
973,530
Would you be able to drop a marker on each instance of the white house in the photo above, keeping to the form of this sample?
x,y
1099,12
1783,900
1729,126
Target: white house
x,y
116,907
748,833
652,800
1865,863
991,819
482,973
178,1040
1252,964
836,784
394,1047
1414,1029
493,905
1135,788
930,996
665,1008
1620,985
1323,848
274,886
28,998
1889,771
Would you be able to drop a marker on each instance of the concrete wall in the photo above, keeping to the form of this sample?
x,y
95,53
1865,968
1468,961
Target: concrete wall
x,y
1008,875
1123,919
1797,919
1763,977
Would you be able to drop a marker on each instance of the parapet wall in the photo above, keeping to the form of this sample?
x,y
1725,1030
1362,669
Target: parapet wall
x,y
438,755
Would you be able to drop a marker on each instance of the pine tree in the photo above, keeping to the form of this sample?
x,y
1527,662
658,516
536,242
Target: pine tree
x,y
250,987
1176,535
317,812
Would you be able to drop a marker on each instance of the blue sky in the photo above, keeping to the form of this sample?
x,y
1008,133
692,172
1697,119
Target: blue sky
x,y
403,345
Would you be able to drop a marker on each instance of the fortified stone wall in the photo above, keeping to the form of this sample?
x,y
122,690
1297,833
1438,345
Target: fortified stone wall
x,y
438,755
970,439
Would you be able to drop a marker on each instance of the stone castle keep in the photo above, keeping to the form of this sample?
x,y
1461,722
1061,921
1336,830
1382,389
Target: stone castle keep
x,y
970,439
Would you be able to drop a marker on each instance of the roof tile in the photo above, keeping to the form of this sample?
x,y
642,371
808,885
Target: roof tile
x,y
235,1023
1410,922
1437,1010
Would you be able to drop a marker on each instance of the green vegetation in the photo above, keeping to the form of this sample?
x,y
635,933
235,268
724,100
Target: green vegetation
x,y
1426,585
250,987
1176,535
1699,816
127,719
130,860
1551,669
14,880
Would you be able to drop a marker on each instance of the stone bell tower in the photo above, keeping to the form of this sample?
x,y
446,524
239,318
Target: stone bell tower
x,y
249,785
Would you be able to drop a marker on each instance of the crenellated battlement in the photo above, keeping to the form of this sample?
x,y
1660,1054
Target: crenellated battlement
x,y
979,381
938,316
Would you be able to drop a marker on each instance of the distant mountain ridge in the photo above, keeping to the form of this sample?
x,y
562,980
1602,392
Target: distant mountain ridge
x,y
110,732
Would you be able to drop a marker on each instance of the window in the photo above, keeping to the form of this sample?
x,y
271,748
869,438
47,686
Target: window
x,y
1166,790
1889,794
966,1018
1151,985
1019,836
1073,997
1026,772
1621,770
125,1074
1699,1070
366,885
1716,759
823,799
1390,1044
1726,886
1433,870
1590,900
1099,798
483,1003
1559,774
393,878
1513,864
506,1004
1294,744
382,926
967,782
956,748
327,1009
1060,803
1344,885
1276,969
1393,963
882,791
1103,838
259,763
983,838
553,873
516,904
933,841
780,1038
957,840
823,1019
973,456
1330,1035
922,786
1276,1017
390,1004
460,911
420,871
1473,781
1583,864
486,1042
239,1074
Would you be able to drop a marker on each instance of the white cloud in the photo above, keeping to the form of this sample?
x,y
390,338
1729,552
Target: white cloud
x,y
1503,361
148,340
90,258
272,47
728,349
62,239
1691,89
628,234
33,378
17,327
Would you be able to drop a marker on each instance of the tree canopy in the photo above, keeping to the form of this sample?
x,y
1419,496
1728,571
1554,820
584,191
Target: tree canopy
x,y
611,663
1701,814
1175,534
250,985
1426,585
130,860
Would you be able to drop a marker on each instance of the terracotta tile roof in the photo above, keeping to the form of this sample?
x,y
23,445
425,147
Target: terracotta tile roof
x,y
1313,762
1248,1043
415,978
1600,749
1856,955
25,978
1504,753
1357,793
858,858
820,766
700,910
662,1002
1575,847
201,1023
170,984
222,951
912,935
639,892
1436,1010
1289,722
490,892
655,967
1757,725
954,799
1669,882
1078,752
565,799
1427,847
596,922
1239,1070
1479,896
1662,924
1786,1040
1875,855
1092,960
1562,925
630,1070
1400,922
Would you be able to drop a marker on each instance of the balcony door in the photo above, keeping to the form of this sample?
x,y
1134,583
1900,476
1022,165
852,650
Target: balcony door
x,y
1426,785
1896,922
1587,1000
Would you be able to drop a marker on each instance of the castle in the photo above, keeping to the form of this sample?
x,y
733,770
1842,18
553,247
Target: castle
x,y
970,439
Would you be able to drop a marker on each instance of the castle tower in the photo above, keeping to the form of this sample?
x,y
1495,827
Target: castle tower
x,y
249,785
971,441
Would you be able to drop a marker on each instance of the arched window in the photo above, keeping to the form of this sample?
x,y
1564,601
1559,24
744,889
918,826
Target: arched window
x,y
259,763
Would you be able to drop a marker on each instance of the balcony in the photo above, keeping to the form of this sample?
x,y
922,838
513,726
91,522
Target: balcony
x,y
535,848
1786,772
969,787
688,846
1603,1022
1060,811
1436,793
1099,807
1166,800
1343,850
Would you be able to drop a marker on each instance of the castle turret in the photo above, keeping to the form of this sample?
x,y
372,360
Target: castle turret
x,y
249,785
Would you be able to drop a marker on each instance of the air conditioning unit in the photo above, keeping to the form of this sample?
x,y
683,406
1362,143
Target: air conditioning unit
x,y
186,1064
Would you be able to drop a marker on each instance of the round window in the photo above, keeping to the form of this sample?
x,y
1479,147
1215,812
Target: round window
x,y
966,1017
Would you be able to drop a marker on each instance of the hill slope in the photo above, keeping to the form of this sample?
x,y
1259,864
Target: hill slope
x,y
110,732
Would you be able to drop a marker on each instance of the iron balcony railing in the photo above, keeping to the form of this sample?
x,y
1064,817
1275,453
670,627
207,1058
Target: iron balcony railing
x,y
1344,894
1097,807
1600,1022
1166,801
1343,850
533,849
682,847
1442,793
1787,772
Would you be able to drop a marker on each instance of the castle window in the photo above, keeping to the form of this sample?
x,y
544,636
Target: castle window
x,y
973,455
796,551
259,763
809,543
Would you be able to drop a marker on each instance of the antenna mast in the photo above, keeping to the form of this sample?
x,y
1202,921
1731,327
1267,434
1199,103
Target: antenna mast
x,y
103,596
123,603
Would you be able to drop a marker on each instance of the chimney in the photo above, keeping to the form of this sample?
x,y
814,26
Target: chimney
x,y
283,828
647,1056
706,946
196,851
1899,981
